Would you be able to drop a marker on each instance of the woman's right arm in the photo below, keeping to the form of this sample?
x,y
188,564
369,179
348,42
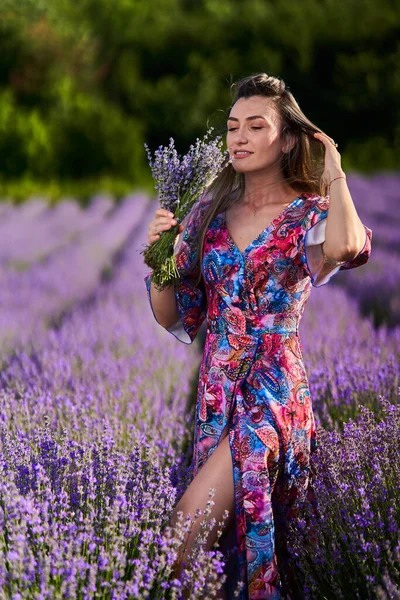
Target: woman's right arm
x,y
181,309
163,302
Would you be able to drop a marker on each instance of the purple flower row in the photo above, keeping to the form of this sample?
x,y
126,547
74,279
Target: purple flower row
x,y
94,430
27,238
347,543
32,300
348,361
377,285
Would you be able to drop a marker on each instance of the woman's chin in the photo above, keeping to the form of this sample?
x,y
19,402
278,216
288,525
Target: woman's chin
x,y
240,168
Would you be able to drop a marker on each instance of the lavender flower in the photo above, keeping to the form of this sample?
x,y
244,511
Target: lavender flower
x,y
349,537
179,181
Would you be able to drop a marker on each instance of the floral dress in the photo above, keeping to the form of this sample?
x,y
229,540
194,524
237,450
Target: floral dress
x,y
252,376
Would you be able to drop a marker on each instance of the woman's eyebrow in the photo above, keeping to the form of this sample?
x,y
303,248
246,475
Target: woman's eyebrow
x,y
248,118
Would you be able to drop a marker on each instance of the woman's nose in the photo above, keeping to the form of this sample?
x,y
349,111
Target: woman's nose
x,y
240,136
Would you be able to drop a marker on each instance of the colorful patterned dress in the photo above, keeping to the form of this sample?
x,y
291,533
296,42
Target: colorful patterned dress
x,y
252,374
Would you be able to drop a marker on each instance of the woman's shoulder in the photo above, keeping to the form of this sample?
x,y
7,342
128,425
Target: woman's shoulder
x,y
312,199
315,203
313,208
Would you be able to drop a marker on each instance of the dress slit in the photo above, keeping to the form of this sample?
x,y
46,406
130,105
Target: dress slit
x,y
229,544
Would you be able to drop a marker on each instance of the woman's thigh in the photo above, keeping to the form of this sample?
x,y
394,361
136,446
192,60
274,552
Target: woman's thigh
x,y
216,473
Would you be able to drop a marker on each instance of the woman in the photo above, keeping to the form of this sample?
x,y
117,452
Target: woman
x,y
266,232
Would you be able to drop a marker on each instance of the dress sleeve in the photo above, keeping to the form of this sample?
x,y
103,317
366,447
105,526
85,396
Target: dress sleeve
x,y
191,298
310,246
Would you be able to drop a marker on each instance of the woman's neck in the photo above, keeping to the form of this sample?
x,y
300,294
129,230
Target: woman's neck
x,y
275,194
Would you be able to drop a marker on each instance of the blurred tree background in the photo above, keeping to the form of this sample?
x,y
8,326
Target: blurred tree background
x,y
84,84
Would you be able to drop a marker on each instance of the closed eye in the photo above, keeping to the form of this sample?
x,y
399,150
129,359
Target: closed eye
x,y
234,128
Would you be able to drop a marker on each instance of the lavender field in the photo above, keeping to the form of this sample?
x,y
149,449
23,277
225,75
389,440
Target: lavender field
x,y
97,412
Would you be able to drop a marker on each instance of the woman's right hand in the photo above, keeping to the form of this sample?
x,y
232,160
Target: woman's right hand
x,y
162,221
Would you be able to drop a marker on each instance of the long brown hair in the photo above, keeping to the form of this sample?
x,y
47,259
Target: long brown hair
x,y
302,166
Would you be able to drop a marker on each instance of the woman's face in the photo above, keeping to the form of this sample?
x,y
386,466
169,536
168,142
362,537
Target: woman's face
x,y
254,125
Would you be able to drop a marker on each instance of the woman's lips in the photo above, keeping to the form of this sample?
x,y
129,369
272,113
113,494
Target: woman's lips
x,y
243,155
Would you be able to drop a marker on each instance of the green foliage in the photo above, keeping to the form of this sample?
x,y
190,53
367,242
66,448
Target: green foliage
x,y
374,154
92,136
25,139
84,84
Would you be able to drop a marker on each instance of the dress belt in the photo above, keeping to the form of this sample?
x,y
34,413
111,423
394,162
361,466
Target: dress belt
x,y
256,325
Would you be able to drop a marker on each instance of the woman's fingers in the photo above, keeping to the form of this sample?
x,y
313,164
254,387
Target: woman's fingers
x,y
162,212
162,222
322,137
153,238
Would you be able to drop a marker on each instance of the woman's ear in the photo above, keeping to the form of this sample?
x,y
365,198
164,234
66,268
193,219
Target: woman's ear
x,y
290,140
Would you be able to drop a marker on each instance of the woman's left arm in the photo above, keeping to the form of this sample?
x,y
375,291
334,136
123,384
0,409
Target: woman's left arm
x,y
345,232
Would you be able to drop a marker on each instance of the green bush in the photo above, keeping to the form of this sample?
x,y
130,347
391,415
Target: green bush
x,y
25,139
92,136
84,84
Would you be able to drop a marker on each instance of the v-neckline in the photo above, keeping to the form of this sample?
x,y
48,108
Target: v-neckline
x,y
266,230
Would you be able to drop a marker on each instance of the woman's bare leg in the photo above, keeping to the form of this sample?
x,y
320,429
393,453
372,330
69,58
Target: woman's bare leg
x,y
215,473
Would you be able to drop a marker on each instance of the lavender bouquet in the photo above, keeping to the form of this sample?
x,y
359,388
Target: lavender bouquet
x,y
179,182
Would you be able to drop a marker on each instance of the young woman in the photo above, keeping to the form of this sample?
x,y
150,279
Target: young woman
x,y
248,254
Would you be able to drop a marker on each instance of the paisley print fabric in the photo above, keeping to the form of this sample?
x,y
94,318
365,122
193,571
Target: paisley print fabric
x,y
252,377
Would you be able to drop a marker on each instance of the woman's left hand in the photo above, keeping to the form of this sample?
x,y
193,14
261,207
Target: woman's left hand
x,y
333,167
